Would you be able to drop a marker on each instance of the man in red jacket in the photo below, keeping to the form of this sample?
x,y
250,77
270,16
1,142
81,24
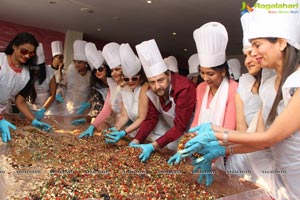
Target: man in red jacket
x,y
172,101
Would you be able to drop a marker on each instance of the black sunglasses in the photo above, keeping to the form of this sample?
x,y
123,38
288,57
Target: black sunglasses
x,y
134,78
100,69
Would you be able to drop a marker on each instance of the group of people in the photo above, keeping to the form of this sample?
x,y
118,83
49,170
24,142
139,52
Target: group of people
x,y
247,125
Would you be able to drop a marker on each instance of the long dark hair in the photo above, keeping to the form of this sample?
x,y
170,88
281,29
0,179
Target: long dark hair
x,y
290,64
22,38
97,81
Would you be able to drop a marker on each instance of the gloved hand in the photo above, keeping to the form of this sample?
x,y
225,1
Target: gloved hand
x,y
201,128
209,153
41,125
198,142
109,130
147,150
88,132
78,121
40,113
133,144
4,129
175,159
59,98
83,106
114,136
205,170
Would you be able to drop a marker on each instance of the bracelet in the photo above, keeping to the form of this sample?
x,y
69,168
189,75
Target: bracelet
x,y
225,137
125,131
231,150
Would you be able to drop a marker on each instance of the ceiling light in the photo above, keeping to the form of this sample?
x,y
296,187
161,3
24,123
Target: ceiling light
x,y
116,18
86,10
149,1
174,33
184,49
98,29
52,2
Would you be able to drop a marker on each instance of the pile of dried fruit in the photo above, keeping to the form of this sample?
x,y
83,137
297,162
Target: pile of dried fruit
x,y
89,168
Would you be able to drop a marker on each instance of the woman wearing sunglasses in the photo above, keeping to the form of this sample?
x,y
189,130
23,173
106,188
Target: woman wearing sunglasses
x,y
134,97
14,80
111,110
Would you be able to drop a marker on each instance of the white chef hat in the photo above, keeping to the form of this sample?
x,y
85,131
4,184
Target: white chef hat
x,y
131,65
211,41
234,68
152,61
40,54
245,21
193,65
171,63
276,22
79,50
93,56
111,53
56,48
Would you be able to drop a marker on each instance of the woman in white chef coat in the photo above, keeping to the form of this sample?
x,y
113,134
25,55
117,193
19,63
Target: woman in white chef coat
x,y
19,54
134,97
44,82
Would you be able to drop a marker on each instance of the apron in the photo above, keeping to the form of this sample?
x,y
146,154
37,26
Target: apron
x,y
215,111
78,90
115,97
42,90
287,152
131,104
165,122
11,83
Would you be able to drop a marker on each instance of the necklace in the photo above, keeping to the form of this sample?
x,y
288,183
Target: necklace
x,y
11,64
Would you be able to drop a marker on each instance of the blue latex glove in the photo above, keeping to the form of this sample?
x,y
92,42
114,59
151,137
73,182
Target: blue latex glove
x,y
83,106
40,113
114,136
111,129
133,144
206,171
175,159
4,129
147,150
201,128
88,132
78,121
209,153
198,142
41,125
59,98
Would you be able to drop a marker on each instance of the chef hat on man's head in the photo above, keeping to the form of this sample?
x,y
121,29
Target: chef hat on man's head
x,y
277,22
245,21
111,54
211,41
152,61
56,48
193,65
79,50
131,65
171,63
40,54
234,68
93,56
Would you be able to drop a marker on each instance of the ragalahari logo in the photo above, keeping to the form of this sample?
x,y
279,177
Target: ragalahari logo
x,y
245,8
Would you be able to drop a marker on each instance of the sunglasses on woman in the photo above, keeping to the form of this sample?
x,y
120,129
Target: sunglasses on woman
x,y
100,69
134,78
25,52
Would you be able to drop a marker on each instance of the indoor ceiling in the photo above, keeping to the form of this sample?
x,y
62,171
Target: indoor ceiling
x,y
131,21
